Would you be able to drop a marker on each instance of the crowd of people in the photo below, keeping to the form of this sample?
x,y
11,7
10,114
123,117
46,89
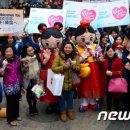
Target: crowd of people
x,y
55,4
95,57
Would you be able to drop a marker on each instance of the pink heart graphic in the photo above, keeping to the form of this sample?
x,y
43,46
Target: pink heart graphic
x,y
90,15
52,19
119,13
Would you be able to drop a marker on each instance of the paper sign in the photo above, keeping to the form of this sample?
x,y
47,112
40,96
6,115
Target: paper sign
x,y
11,21
47,16
76,11
100,15
116,14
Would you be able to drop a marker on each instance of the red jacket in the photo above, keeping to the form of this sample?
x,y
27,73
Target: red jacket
x,y
115,46
117,66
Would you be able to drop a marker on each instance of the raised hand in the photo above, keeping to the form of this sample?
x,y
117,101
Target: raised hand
x,y
1,71
108,73
71,61
128,57
47,54
66,65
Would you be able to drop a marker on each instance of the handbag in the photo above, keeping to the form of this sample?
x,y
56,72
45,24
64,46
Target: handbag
x,y
55,82
75,78
38,90
118,85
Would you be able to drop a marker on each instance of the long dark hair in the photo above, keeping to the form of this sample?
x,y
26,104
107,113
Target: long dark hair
x,y
102,36
24,51
73,53
9,46
110,47
117,37
14,40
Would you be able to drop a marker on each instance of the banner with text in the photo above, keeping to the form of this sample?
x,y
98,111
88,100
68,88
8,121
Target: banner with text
x,y
47,16
100,15
11,21
76,11
116,13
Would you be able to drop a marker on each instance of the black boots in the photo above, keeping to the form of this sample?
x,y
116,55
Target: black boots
x,y
33,111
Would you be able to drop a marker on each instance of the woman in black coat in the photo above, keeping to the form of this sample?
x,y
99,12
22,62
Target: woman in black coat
x,y
126,61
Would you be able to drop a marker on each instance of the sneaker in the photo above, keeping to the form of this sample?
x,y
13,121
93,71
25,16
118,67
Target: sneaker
x,y
13,123
93,106
83,108
19,118
96,107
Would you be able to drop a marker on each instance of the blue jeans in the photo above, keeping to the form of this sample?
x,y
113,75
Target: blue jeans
x,y
66,98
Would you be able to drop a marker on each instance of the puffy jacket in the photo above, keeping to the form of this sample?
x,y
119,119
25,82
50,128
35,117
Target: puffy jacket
x,y
57,67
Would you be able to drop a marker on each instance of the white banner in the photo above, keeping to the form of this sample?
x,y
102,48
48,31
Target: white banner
x,y
100,15
47,16
76,11
11,21
116,13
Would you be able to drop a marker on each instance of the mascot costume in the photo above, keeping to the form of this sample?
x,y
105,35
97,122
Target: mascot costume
x,y
51,39
89,89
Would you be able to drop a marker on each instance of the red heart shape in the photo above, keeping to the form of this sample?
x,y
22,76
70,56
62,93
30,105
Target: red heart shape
x,y
90,15
52,19
119,12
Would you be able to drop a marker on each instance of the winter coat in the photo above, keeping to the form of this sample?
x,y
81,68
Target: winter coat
x,y
31,71
57,67
12,78
117,66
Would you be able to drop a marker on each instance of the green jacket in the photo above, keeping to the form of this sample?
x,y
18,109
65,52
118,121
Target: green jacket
x,y
57,67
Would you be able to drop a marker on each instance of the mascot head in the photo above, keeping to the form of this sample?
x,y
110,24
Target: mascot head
x,y
51,37
84,34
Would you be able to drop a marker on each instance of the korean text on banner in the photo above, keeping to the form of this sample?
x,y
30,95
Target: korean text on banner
x,y
116,14
47,16
11,21
76,11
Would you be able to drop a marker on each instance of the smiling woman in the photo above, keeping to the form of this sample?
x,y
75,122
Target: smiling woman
x,y
66,63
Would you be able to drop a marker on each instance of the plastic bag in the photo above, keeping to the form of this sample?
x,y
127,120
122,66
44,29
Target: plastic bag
x,y
38,90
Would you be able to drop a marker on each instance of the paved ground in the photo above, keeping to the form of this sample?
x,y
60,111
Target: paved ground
x,y
83,121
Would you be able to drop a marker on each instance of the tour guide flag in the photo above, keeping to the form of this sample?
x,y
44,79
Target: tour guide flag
x,y
47,16
11,21
76,11
116,13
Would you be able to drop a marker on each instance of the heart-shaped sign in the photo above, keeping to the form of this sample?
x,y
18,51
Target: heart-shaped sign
x,y
119,13
90,15
52,19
